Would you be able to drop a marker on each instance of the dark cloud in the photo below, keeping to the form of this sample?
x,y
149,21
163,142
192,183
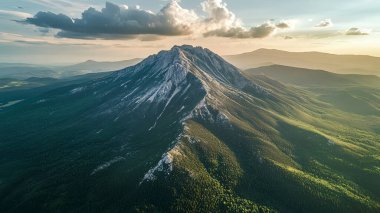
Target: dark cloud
x,y
30,42
325,23
51,20
282,25
357,31
115,21
261,31
43,30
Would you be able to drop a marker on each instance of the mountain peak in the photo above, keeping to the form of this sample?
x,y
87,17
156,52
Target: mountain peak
x,y
178,75
268,51
176,63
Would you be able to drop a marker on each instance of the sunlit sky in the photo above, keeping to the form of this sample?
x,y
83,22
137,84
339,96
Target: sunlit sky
x,y
56,31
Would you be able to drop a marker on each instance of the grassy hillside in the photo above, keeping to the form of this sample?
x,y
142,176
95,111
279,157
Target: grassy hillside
x,y
358,94
312,78
294,155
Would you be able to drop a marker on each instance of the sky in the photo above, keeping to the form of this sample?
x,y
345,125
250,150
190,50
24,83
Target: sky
x,y
72,31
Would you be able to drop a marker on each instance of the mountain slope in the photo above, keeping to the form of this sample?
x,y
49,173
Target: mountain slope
x,y
313,78
351,93
343,64
185,131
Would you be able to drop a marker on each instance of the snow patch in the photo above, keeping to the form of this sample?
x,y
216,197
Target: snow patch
x,y
191,139
165,165
41,101
180,110
166,105
77,90
222,118
10,103
107,164
330,142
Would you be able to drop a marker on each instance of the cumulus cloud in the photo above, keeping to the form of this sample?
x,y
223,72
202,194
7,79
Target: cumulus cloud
x,y
282,25
261,31
221,22
119,21
357,31
325,23
219,16
114,22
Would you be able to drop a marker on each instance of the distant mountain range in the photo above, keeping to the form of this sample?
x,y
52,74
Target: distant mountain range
x,y
24,71
313,78
186,131
91,66
343,64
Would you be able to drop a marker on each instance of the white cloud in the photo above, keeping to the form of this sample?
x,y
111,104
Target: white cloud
x,y
13,13
218,15
221,22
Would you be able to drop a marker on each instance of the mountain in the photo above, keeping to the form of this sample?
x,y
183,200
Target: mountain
x,y
313,78
25,71
91,66
14,90
342,64
185,131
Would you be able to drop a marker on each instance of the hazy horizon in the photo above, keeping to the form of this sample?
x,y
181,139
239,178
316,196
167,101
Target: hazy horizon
x,y
57,31
66,63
